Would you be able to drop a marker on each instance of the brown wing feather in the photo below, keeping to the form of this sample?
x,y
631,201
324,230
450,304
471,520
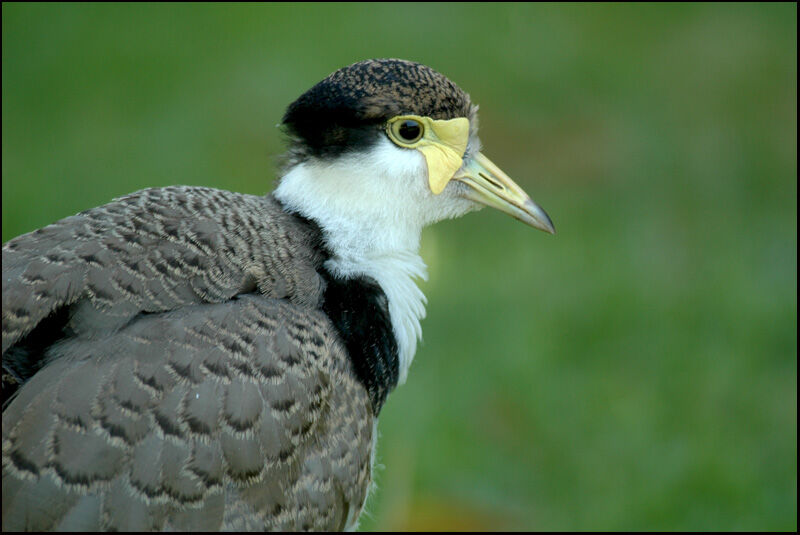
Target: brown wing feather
x,y
228,404
237,415
153,251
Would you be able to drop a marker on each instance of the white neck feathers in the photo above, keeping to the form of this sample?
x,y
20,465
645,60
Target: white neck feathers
x,y
372,208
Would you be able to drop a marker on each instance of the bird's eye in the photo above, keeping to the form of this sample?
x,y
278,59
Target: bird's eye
x,y
407,131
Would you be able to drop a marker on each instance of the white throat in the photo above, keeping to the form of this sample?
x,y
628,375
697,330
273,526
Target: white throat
x,y
372,207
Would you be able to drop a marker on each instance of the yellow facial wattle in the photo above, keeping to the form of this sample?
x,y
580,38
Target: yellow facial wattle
x,y
443,144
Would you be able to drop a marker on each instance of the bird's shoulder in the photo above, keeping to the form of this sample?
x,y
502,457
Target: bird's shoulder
x,y
206,417
151,251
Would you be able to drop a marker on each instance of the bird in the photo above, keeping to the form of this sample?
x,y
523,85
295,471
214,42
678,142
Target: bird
x,y
187,358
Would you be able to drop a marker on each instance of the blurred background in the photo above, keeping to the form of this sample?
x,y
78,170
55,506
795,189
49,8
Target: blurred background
x,y
637,371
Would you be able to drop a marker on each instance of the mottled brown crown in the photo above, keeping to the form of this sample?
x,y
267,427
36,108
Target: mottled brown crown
x,y
344,111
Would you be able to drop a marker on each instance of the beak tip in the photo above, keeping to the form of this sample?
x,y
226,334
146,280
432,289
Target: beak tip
x,y
551,228
539,218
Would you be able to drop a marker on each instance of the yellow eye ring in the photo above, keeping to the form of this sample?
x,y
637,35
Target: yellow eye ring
x,y
405,131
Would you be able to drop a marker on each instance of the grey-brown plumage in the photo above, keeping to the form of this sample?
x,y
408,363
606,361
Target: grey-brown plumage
x,y
196,384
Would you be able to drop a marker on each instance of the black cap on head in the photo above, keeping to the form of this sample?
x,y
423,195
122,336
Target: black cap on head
x,y
344,111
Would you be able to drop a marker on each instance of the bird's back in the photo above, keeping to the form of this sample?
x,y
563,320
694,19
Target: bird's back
x,y
170,367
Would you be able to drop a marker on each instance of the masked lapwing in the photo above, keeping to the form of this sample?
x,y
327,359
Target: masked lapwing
x,y
194,359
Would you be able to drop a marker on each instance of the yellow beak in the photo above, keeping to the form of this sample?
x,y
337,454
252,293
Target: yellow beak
x,y
489,185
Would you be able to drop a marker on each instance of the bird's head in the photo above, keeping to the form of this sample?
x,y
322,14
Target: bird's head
x,y
392,145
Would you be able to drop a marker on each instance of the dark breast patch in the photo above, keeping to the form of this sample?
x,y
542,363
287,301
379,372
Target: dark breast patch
x,y
359,310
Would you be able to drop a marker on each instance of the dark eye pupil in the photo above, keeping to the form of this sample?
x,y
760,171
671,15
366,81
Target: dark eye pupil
x,y
409,130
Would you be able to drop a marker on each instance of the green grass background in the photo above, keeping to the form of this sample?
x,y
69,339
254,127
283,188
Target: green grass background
x,y
636,371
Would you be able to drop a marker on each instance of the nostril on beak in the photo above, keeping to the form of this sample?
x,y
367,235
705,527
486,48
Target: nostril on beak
x,y
489,179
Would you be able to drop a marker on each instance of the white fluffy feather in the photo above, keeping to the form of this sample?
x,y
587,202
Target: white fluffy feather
x,y
372,207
